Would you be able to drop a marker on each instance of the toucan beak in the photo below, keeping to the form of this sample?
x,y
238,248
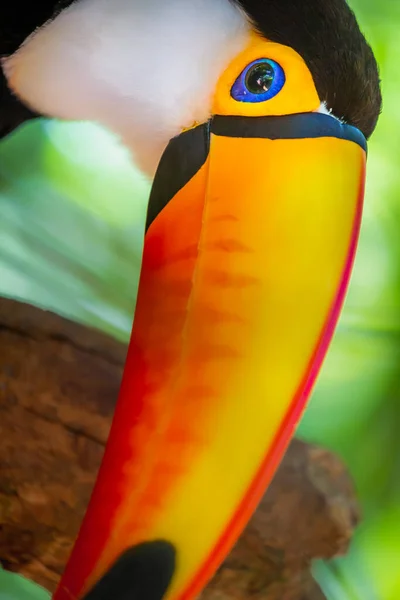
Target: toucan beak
x,y
251,234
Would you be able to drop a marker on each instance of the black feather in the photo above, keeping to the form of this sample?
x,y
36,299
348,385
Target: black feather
x,y
20,18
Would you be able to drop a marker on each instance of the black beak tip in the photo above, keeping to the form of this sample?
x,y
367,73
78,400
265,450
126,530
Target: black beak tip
x,y
143,572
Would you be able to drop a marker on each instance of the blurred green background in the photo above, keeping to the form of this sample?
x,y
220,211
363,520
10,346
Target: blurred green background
x,y
72,211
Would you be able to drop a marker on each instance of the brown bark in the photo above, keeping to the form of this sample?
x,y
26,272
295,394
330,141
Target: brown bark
x,y
58,386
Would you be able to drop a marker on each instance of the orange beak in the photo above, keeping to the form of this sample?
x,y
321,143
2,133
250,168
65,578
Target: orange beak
x,y
252,230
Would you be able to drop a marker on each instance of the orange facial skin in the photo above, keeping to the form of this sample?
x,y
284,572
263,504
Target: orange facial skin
x,y
244,274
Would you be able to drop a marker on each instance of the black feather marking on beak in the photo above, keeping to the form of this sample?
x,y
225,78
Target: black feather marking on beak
x,y
182,159
287,127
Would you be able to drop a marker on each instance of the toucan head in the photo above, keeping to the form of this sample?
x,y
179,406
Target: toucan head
x,y
148,70
254,117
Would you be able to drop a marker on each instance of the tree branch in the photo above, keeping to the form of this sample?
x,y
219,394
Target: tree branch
x,y
58,386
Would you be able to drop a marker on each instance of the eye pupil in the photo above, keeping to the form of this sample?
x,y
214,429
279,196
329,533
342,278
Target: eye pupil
x,y
260,78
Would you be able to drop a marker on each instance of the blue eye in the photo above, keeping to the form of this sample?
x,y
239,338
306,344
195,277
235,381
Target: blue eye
x,y
261,80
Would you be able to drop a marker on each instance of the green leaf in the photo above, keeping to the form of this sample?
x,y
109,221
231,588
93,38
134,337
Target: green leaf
x,y
15,587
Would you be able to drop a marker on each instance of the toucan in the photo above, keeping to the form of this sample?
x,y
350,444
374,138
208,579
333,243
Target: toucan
x,y
252,118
